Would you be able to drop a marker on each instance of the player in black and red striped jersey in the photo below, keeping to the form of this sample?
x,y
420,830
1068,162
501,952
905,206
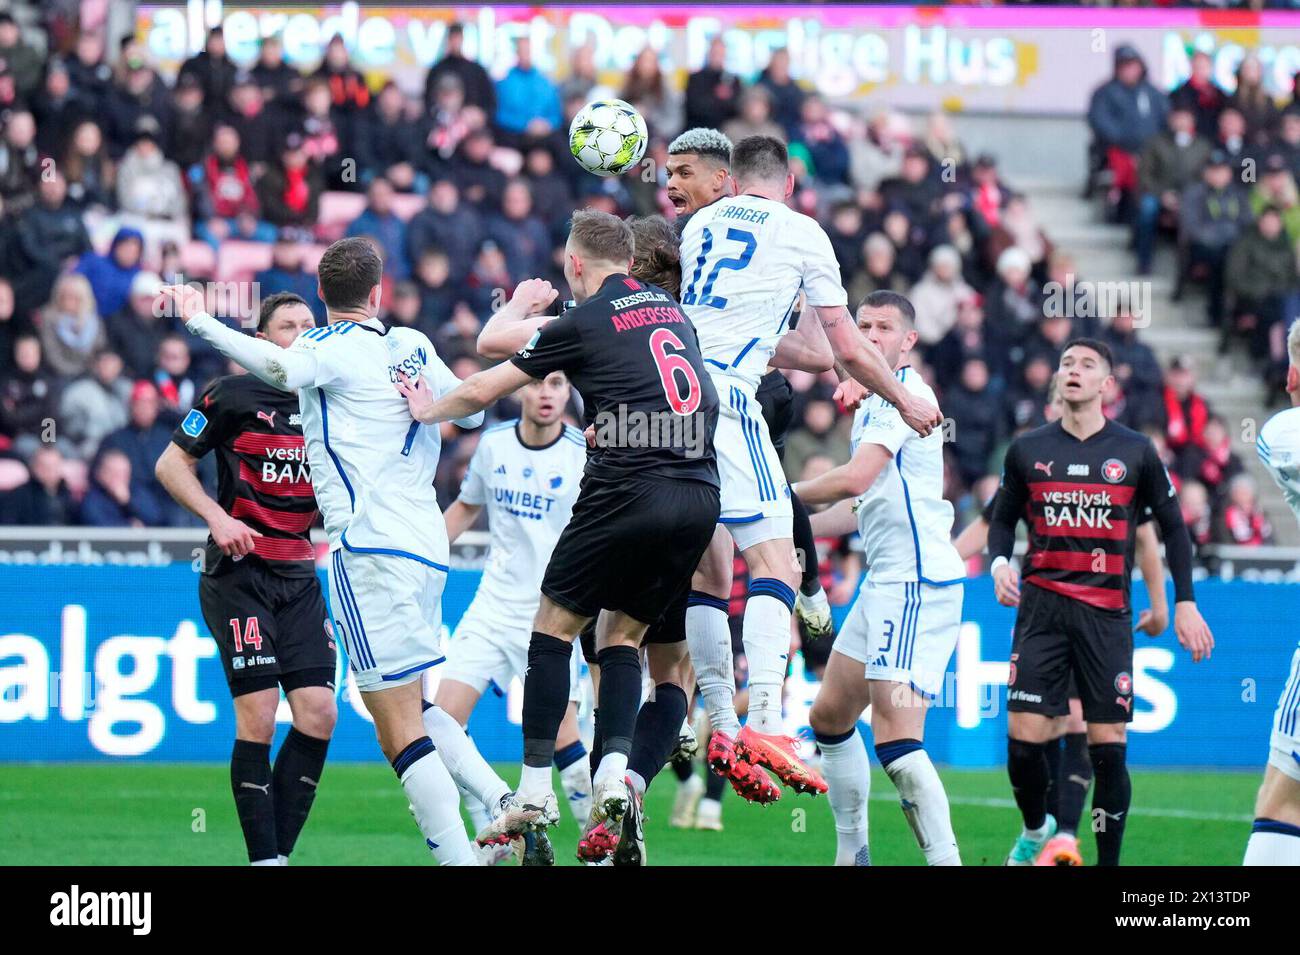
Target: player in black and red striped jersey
x,y
1080,484
258,592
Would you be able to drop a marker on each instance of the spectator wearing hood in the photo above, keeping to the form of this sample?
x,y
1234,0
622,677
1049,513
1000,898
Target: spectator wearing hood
x,y
1124,113
135,330
1170,162
94,406
111,275
71,329
1200,94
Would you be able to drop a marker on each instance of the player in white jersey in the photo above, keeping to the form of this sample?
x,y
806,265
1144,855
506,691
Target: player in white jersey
x,y
526,474
894,648
745,259
1275,835
372,472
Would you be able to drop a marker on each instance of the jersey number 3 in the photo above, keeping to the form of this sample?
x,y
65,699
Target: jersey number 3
x,y
669,363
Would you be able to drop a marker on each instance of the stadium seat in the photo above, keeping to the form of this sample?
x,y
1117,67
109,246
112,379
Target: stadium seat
x,y
198,258
311,255
12,474
237,261
340,208
407,204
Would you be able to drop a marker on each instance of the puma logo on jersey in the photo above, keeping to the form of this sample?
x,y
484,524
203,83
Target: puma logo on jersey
x,y
1045,468
268,418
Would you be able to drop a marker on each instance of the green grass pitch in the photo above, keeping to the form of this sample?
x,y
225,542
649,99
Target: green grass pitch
x,y
182,814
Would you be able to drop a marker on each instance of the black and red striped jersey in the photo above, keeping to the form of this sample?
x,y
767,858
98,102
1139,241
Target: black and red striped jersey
x,y
1082,502
263,478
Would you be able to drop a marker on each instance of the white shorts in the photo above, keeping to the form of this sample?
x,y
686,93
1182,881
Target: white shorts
x,y
482,652
903,633
1284,743
388,612
753,483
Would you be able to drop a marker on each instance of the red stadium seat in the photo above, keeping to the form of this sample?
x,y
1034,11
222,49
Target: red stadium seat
x,y
407,204
12,474
198,258
237,260
311,257
340,208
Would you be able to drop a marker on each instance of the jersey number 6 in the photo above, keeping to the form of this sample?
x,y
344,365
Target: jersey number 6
x,y
669,362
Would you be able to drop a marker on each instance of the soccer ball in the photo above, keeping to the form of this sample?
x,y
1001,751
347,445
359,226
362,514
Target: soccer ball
x,y
607,137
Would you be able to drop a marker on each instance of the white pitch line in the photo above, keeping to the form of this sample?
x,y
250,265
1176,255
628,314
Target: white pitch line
x,y
995,803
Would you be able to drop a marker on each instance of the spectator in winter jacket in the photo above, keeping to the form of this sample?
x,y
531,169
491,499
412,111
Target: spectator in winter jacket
x,y
1260,277
225,201
438,296
387,143
381,223
786,95
22,61
1198,516
190,130
1124,113
477,86
58,108
287,274
90,173
111,275
151,192
116,499
1136,368
94,406
137,92
480,183
214,70
975,412
45,500
938,294
1186,412
521,235
1170,163
830,156
71,329
1213,213
1277,188
712,94
1252,101
143,441
290,191
135,331
279,82
1243,522
47,238
755,118
1213,463
448,224
527,100
28,397
20,162
260,128
1201,95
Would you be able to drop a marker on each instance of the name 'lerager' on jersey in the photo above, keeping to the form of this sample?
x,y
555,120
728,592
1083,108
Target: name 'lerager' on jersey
x,y
744,261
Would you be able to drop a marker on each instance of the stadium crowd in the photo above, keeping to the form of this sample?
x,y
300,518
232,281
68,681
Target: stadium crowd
x,y
114,180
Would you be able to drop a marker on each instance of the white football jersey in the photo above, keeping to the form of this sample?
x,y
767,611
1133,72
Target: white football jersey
x,y
529,495
904,521
373,465
1278,446
744,261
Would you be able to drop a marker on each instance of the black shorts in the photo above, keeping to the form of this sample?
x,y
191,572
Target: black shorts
x,y
1058,637
631,546
776,399
284,633
671,625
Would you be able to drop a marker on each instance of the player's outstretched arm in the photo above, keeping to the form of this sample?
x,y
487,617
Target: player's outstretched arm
x,y
175,472
868,366
279,367
468,398
1154,620
848,480
513,326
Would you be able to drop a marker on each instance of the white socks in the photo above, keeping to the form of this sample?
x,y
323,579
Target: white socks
x,y
1276,843
767,648
708,638
848,776
462,758
925,804
436,804
612,768
576,781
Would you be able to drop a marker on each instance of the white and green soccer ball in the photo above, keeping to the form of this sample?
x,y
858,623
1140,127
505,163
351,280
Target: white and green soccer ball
x,y
607,137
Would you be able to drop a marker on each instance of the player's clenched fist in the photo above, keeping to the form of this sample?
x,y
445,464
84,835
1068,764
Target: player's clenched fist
x,y
921,416
851,393
1006,586
233,536
533,295
181,300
